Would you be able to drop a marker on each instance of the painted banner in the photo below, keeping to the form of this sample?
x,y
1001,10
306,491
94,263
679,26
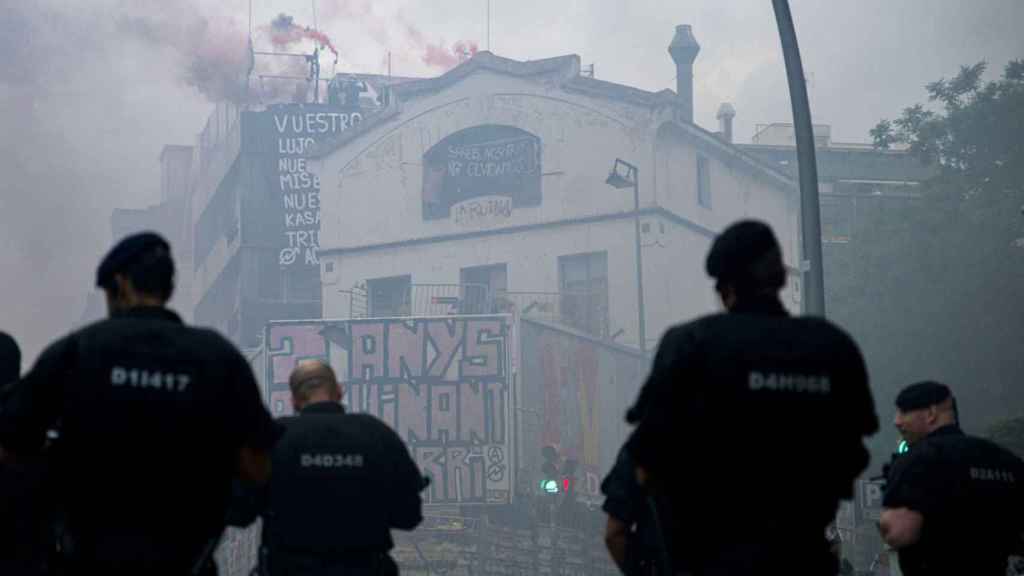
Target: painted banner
x,y
574,391
443,384
477,175
281,138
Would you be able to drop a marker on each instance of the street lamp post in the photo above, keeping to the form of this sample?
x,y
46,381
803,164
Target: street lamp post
x,y
810,207
631,177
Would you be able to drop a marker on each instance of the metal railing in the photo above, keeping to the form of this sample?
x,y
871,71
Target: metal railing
x,y
583,311
422,300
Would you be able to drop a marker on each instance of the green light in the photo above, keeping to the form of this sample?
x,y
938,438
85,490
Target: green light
x,y
903,447
549,486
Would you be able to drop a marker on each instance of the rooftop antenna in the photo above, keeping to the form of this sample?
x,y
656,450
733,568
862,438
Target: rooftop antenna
x,y
252,59
315,63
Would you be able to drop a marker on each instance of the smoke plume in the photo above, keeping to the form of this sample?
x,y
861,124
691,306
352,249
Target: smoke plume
x,y
285,32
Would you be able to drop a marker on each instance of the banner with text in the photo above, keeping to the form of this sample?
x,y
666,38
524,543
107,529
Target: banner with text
x,y
281,138
477,175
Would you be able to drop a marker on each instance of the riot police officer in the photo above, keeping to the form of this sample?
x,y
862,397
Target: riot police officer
x,y
154,418
341,482
22,529
751,423
953,503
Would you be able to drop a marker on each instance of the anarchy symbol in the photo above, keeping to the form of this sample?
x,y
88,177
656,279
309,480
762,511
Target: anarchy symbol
x,y
496,472
288,256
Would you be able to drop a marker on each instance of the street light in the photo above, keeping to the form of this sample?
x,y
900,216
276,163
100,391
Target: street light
x,y
624,175
810,207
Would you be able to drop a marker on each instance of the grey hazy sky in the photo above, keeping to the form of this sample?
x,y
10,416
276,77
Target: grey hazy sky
x,y
86,106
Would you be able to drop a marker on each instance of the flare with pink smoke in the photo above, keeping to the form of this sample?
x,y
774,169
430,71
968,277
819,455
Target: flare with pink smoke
x,y
285,32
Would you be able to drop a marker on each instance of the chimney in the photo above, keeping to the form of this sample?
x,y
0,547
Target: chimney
x,y
684,49
726,113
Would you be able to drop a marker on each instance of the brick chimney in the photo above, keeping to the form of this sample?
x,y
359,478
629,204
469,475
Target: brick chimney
x,y
684,49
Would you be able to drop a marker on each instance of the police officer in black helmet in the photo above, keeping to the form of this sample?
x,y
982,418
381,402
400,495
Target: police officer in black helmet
x,y
751,423
155,418
341,482
953,503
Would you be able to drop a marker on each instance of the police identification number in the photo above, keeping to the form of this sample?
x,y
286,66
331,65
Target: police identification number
x,y
782,382
332,460
142,378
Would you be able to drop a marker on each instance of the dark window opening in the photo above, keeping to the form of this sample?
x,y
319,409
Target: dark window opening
x,y
584,291
390,296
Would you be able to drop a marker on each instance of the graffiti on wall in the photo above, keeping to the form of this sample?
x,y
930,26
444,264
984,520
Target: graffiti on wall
x,y
442,383
580,388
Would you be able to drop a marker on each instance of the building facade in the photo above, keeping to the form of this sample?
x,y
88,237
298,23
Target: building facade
x,y
492,179
855,179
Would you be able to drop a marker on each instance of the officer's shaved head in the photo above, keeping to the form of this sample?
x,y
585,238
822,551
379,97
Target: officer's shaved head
x,y
313,381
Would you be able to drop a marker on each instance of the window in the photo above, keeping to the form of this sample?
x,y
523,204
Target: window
x,y
481,285
389,296
703,182
583,279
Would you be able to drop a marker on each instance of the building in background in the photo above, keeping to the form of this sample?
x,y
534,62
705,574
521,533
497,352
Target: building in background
x,y
170,218
854,178
255,208
483,190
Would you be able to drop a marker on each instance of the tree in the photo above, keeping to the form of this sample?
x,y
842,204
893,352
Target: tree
x,y
934,288
976,139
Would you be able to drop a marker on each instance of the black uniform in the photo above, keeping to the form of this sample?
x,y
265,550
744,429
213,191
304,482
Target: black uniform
x,y
340,483
152,415
22,529
969,492
751,424
628,502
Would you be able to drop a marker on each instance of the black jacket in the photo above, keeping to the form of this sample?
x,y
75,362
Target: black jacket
x,y
151,415
751,425
340,483
970,494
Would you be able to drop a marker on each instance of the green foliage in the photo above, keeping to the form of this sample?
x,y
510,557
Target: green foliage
x,y
976,138
934,287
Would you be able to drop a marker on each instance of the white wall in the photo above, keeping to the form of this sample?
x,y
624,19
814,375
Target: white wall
x,y
371,189
531,257
371,194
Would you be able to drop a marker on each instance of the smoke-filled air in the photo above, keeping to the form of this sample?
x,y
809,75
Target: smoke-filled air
x,y
511,287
